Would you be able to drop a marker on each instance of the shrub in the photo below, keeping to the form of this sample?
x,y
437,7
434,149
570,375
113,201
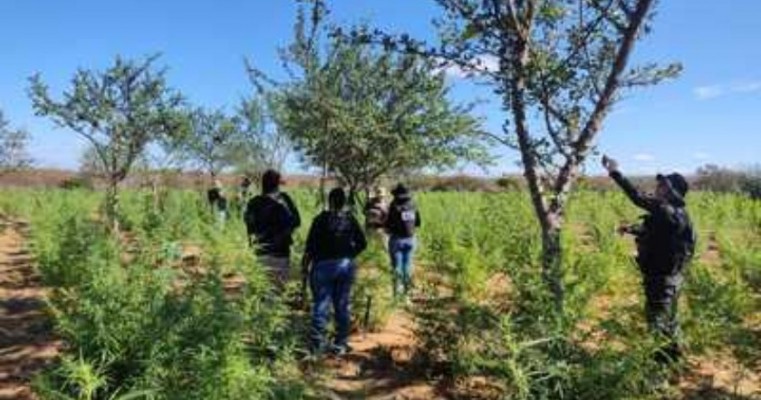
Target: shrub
x,y
77,182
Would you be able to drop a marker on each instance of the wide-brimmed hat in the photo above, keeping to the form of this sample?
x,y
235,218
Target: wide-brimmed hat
x,y
676,183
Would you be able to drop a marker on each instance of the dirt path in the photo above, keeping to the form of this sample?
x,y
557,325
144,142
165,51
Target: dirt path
x,y
26,341
380,367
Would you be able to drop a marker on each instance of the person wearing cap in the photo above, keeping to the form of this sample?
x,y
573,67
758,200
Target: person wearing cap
x,y
665,245
244,190
402,222
218,202
335,239
271,218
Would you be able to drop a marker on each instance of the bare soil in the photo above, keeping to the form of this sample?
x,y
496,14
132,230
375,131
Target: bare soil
x,y
27,344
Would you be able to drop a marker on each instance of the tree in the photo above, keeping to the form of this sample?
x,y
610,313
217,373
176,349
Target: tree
x,y
212,137
364,113
13,144
119,111
559,66
263,145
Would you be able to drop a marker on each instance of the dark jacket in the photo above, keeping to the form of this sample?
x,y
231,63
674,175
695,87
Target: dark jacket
x,y
403,218
271,220
335,235
665,239
216,199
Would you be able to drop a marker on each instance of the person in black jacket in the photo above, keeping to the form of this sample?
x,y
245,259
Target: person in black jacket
x,y
271,218
401,223
218,202
335,239
665,245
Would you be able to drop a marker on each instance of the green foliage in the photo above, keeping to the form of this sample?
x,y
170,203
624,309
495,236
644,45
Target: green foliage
x,y
13,146
138,322
558,68
152,313
119,111
213,139
365,113
599,347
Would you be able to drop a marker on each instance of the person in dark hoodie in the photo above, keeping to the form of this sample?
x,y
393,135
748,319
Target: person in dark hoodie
x,y
335,239
271,218
218,202
401,223
665,246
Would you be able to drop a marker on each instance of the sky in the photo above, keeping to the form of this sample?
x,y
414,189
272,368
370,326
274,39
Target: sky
x,y
711,114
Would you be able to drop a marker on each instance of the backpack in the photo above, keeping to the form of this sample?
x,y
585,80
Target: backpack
x,y
684,240
404,219
375,215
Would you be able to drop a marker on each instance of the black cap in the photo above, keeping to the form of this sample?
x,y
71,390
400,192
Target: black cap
x,y
271,179
401,191
676,182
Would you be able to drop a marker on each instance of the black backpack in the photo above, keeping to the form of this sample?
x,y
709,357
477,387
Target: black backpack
x,y
403,219
685,239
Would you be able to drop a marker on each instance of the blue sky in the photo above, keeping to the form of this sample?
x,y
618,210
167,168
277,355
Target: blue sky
x,y
711,114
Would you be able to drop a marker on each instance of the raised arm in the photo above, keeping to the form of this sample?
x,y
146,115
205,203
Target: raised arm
x,y
638,198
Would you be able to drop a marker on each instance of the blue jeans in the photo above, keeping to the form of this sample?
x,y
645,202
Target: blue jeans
x,y
331,283
401,250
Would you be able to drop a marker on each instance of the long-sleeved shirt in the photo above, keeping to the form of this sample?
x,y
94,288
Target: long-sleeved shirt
x,y
335,235
666,233
271,219
403,218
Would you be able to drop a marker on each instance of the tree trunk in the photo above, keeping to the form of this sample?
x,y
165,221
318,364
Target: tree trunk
x,y
552,259
549,217
112,205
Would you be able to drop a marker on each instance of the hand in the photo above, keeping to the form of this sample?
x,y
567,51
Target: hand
x,y
609,164
623,229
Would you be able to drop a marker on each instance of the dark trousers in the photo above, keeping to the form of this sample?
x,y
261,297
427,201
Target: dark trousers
x,y
331,286
661,303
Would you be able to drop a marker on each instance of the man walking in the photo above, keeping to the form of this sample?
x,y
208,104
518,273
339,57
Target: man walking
x,y
665,246
402,222
335,239
271,218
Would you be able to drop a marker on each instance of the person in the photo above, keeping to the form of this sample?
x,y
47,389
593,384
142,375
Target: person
x,y
271,218
376,211
242,196
334,240
218,202
402,222
244,191
665,245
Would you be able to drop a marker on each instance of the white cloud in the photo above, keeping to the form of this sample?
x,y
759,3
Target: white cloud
x,y
479,65
643,157
713,91
699,155
708,92
748,87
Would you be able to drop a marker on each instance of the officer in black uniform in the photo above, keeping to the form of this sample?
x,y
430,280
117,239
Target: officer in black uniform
x,y
665,245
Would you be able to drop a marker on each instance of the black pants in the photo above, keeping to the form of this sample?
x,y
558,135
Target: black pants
x,y
661,302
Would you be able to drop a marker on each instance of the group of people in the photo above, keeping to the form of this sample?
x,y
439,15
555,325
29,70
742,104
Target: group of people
x,y
334,241
665,245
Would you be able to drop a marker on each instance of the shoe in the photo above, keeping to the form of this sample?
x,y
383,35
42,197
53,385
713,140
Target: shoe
x,y
341,350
